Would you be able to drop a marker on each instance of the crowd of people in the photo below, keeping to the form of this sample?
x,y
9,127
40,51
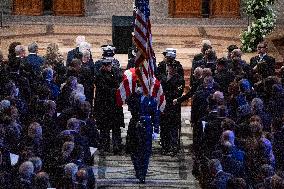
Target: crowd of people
x,y
237,118
52,111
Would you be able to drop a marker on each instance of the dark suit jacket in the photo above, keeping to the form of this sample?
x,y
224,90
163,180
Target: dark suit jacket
x,y
74,53
35,61
266,68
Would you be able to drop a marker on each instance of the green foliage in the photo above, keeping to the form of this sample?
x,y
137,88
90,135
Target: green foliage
x,y
263,22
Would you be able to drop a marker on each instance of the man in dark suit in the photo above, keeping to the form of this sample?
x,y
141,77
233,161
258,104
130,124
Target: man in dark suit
x,y
75,53
263,64
34,59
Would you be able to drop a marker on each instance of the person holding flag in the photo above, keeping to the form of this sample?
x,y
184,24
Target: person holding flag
x,y
142,92
143,127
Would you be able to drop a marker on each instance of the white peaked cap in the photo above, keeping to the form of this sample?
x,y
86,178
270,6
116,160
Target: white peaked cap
x,y
171,50
171,54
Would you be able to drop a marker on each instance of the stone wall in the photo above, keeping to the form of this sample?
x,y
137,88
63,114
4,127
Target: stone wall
x,y
279,7
105,8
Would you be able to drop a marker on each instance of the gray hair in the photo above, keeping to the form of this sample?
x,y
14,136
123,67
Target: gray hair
x,y
206,42
237,53
198,72
84,46
256,105
33,47
37,162
86,53
4,104
19,49
26,168
70,170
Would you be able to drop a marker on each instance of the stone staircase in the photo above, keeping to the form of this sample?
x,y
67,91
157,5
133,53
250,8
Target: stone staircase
x,y
116,171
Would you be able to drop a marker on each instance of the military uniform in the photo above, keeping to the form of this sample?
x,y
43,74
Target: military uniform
x,y
171,118
108,115
148,120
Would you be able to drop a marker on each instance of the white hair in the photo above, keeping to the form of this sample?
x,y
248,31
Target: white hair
x,y
26,168
4,104
86,53
206,42
84,46
79,88
79,40
70,170
19,49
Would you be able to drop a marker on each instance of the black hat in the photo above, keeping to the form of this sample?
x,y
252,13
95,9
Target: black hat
x,y
108,50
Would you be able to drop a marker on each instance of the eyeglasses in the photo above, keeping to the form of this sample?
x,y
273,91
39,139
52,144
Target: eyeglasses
x,y
260,47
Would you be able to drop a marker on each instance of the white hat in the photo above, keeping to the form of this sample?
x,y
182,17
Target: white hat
x,y
170,50
171,54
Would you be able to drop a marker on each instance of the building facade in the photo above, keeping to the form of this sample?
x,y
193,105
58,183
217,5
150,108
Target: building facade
x,y
107,8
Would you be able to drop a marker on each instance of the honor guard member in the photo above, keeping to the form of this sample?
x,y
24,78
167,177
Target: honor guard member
x,y
145,111
108,54
169,56
173,88
108,115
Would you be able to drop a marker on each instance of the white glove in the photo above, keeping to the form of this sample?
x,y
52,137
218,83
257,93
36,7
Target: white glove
x,y
155,136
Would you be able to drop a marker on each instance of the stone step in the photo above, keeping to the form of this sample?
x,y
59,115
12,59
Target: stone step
x,y
153,184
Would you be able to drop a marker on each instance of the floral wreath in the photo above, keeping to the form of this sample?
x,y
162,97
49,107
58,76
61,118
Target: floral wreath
x,y
263,22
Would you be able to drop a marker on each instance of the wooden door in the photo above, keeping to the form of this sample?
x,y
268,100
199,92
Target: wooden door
x,y
225,8
68,7
28,7
185,8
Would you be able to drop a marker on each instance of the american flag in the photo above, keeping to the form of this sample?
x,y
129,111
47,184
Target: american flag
x,y
145,57
129,86
145,62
